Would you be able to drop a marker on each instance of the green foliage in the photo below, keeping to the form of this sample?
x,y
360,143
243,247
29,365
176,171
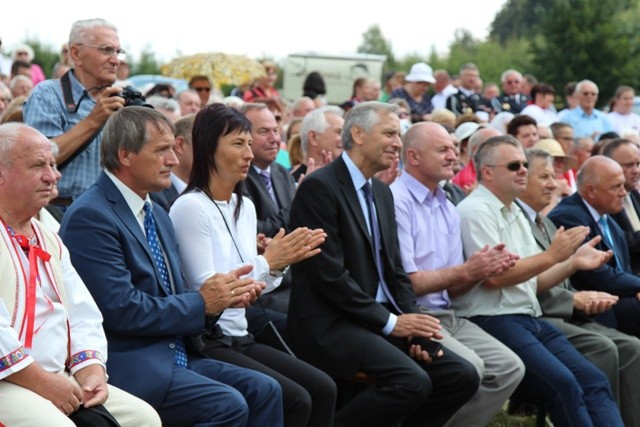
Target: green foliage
x,y
147,64
518,19
374,42
589,39
45,55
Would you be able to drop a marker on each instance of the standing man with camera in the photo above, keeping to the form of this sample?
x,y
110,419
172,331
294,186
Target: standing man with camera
x,y
72,111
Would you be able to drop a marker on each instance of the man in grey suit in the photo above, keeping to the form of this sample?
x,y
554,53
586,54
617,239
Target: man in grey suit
x,y
271,189
615,353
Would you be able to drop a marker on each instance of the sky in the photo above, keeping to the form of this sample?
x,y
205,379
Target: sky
x,y
256,28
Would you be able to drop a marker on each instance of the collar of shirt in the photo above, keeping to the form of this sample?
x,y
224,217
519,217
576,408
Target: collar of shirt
x,y
509,213
421,193
594,213
267,170
528,210
77,89
466,92
178,183
135,203
357,177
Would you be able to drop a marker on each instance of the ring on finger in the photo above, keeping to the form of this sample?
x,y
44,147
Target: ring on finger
x,y
233,292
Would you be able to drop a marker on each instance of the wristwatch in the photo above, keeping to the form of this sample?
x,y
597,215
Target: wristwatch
x,y
276,274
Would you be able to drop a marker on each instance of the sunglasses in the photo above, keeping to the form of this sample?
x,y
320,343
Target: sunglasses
x,y
513,166
202,89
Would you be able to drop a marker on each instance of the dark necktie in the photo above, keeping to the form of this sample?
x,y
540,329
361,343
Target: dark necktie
x,y
604,223
542,228
158,257
375,235
266,179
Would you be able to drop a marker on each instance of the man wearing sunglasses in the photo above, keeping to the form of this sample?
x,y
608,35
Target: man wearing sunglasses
x,y
71,111
505,305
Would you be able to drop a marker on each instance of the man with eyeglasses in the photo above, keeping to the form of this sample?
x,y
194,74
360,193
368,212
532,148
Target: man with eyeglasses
x,y
72,111
512,99
202,86
585,119
505,305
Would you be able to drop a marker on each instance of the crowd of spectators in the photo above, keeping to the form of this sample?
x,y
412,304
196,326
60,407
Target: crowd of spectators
x,y
442,244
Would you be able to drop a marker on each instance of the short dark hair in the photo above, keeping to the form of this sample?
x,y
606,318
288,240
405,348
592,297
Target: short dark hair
x,y
518,121
613,145
211,123
128,129
542,88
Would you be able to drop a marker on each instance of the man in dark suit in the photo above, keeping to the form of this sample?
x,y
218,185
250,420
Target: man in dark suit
x,y
125,251
627,154
467,100
601,193
271,189
179,175
353,308
615,353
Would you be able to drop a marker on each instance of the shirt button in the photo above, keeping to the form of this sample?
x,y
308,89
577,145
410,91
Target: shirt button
x,y
172,345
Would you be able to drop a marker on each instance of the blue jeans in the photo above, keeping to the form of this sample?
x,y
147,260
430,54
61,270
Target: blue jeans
x,y
572,388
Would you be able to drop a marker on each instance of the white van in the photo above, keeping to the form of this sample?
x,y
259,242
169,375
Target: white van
x,y
338,72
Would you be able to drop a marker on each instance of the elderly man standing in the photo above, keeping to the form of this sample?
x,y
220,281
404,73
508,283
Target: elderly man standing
x,y
73,110
585,119
126,251
431,249
601,193
467,100
615,353
505,305
352,307
52,345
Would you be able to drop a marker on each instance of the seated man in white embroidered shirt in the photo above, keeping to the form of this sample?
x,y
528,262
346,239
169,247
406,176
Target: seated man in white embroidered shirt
x,y
52,345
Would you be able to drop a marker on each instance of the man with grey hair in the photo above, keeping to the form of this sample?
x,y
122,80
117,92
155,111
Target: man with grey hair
x,y
302,106
189,102
586,119
431,250
505,305
52,346
73,110
320,139
352,307
167,106
512,99
126,251
572,311
467,100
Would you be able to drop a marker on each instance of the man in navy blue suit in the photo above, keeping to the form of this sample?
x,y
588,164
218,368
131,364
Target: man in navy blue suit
x,y
601,193
124,249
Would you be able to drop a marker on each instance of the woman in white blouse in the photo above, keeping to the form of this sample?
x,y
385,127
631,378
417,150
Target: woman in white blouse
x,y
216,231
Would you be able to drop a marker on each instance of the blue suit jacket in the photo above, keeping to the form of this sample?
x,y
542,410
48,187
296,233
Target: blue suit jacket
x,y
141,320
571,212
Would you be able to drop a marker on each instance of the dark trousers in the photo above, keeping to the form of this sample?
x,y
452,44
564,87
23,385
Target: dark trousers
x,y
211,393
627,316
572,388
414,393
309,395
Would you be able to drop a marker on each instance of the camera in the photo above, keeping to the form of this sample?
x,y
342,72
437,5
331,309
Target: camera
x,y
132,97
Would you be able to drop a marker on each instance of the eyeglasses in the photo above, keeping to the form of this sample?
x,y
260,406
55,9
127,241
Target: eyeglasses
x,y
403,115
108,51
202,89
589,93
512,166
512,82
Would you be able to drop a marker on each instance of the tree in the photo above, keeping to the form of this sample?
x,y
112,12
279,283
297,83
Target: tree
x,y
148,64
518,19
45,56
587,39
374,42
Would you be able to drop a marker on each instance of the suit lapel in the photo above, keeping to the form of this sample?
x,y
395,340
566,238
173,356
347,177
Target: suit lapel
x,y
383,215
279,188
351,197
124,214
